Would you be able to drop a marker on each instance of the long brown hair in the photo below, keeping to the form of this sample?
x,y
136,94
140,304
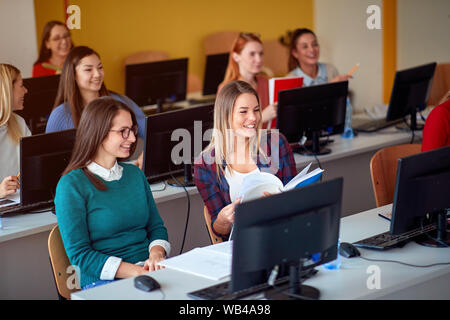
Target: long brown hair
x,y
44,52
293,62
232,72
68,91
95,124
8,77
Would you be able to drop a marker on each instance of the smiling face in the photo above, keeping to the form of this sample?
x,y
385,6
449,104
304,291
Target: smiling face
x,y
59,42
307,50
89,74
251,58
246,115
115,146
19,92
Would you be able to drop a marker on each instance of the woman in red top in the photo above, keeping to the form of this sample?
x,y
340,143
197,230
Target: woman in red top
x,y
55,46
245,63
436,133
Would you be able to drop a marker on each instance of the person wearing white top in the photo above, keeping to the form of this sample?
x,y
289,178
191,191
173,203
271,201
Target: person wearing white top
x,y
12,127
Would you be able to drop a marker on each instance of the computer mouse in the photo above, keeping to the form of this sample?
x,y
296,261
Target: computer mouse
x,y
146,283
348,250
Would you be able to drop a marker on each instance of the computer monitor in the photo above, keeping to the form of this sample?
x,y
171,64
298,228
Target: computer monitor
x,y
39,101
307,111
421,196
216,66
410,93
157,82
43,158
287,230
173,139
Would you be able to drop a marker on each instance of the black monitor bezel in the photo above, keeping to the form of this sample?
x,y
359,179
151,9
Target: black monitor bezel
x,y
304,205
57,146
212,79
169,121
156,68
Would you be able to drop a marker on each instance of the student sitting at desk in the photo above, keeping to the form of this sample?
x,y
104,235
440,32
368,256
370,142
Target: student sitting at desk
x,y
105,209
436,133
304,53
238,148
55,46
245,63
81,82
12,127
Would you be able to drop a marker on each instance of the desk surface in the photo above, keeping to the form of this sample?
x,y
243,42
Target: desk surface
x,y
349,282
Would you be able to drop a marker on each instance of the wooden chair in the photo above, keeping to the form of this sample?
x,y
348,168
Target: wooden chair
x,y
59,263
440,84
214,238
383,170
219,42
276,57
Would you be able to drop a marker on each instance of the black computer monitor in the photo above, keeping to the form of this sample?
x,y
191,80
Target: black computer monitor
x,y
421,196
216,66
39,101
287,230
176,135
308,111
157,82
410,93
43,158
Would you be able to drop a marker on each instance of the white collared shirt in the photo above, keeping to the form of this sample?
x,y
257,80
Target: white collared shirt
x,y
111,265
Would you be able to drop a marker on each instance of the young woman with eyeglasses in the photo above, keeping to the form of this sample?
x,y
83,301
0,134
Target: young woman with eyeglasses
x,y
106,213
245,63
56,43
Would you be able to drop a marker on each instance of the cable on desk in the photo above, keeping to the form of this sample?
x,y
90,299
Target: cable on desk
x,y
188,209
407,264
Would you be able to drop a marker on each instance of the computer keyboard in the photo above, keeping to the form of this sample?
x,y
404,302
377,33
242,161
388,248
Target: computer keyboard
x,y
375,125
20,208
221,291
384,241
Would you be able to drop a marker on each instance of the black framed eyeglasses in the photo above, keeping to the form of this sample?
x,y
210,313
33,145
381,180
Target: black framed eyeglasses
x,y
126,131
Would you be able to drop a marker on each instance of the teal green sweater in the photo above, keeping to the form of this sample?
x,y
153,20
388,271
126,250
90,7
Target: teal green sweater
x,y
94,224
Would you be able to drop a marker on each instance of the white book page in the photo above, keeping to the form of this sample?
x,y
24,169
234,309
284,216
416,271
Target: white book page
x,y
211,264
298,178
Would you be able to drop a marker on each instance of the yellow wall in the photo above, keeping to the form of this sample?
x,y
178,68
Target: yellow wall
x,y
117,28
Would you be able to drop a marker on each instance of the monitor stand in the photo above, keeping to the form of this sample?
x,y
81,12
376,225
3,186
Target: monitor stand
x,y
297,290
186,181
441,235
413,126
315,149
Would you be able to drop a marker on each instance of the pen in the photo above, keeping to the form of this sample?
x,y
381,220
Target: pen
x,y
355,67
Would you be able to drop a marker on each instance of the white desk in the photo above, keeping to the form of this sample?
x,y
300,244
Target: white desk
x,y
349,282
25,238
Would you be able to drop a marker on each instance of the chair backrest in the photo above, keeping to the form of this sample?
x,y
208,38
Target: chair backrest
x,y
219,42
146,56
441,83
60,263
383,170
214,238
276,57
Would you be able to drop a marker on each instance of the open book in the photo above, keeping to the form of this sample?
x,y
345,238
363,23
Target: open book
x,y
254,185
212,262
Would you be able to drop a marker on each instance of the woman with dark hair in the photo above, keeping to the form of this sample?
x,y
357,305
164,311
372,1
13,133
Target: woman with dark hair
x,y
245,63
106,213
304,53
237,149
81,82
56,43
12,127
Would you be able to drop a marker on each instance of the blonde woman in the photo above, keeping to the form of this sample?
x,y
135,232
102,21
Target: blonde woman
x,y
238,148
12,127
